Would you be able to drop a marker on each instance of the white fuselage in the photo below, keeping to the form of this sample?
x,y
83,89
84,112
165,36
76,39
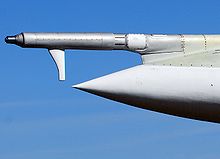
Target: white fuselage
x,y
192,92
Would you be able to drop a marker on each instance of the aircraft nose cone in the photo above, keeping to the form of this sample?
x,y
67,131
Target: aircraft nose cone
x,y
99,86
112,83
120,86
10,39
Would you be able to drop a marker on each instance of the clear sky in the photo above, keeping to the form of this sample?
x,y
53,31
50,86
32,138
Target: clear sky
x,y
42,118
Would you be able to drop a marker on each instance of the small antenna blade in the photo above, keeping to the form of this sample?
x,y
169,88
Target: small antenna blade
x,y
59,58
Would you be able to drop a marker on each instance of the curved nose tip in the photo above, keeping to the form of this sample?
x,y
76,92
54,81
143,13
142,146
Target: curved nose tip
x,y
10,40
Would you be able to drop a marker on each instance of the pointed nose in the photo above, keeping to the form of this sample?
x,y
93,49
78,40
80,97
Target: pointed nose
x,y
10,39
112,83
98,86
120,86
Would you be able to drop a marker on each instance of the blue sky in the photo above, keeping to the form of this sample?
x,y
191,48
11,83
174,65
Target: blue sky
x,y
41,117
